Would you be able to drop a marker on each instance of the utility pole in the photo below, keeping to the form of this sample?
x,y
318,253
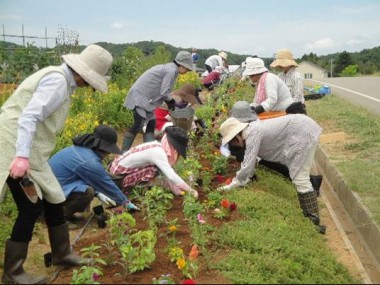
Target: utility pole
x,y
331,67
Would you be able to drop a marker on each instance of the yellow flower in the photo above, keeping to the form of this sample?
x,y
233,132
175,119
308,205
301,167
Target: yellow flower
x,y
181,263
172,228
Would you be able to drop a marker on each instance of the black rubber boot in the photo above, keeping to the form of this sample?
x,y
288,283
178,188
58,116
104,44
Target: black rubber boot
x,y
316,181
14,258
148,137
60,247
128,141
309,205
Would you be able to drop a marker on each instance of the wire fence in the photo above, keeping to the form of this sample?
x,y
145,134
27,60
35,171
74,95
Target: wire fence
x,y
22,54
24,38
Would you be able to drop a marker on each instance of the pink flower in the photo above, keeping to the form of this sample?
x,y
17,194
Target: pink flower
x,y
200,219
95,276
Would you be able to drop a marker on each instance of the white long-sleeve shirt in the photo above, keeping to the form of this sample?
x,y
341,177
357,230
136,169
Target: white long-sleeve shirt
x,y
142,156
51,92
278,96
214,61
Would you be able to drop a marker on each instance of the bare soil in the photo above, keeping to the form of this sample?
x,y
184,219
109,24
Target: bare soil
x,y
162,265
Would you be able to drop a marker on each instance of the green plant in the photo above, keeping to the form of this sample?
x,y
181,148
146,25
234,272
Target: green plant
x,y
155,204
138,252
226,208
120,226
89,274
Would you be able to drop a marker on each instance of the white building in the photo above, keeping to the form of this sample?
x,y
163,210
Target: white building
x,y
309,70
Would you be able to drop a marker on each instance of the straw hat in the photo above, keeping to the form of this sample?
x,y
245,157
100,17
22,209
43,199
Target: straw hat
x,y
230,128
242,111
185,59
284,58
178,138
187,93
103,138
224,55
92,65
254,65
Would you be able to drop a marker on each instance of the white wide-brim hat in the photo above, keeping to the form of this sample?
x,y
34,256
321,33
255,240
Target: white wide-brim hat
x,y
254,65
284,58
92,65
230,128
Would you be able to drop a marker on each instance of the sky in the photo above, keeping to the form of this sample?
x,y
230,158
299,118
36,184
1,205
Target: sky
x,y
247,27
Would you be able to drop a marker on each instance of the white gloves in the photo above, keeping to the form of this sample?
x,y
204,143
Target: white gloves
x,y
224,150
194,193
234,184
105,200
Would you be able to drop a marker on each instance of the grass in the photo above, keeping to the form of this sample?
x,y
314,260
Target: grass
x,y
275,243
362,170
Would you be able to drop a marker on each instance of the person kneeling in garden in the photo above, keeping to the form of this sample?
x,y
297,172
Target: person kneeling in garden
x,y
142,163
80,172
290,140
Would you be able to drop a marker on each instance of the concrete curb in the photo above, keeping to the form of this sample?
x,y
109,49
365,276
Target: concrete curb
x,y
359,214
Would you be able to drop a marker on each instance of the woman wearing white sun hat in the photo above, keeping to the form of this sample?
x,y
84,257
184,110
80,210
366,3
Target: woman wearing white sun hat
x,y
272,94
29,122
290,140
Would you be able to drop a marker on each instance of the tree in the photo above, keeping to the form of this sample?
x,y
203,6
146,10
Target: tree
x,y
350,71
344,60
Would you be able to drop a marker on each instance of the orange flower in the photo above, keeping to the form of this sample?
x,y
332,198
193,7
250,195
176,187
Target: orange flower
x,y
194,252
181,263
225,203
172,228
228,181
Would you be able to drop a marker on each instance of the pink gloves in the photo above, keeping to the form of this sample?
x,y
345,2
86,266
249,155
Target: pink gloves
x,y
19,167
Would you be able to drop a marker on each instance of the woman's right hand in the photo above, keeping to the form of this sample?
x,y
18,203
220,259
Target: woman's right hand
x,y
19,167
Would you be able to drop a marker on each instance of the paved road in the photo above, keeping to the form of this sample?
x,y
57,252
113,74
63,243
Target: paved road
x,y
363,91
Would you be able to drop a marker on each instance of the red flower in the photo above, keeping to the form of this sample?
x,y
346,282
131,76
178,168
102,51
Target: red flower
x,y
233,206
219,178
189,281
225,203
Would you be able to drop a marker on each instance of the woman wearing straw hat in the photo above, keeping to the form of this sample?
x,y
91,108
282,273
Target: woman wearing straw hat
x,y
216,60
292,78
290,140
142,163
29,122
150,90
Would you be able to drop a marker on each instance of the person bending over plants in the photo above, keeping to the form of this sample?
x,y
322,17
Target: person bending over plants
x,y
290,140
81,174
142,163
149,91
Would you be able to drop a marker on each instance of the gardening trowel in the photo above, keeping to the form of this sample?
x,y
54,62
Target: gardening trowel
x,y
29,189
